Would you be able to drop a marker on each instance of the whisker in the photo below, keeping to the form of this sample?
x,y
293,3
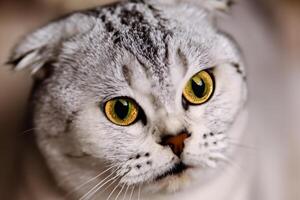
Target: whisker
x,y
111,193
237,143
217,155
132,192
125,192
99,185
139,194
245,147
234,164
90,180
115,177
120,192
95,191
115,181
29,130
110,184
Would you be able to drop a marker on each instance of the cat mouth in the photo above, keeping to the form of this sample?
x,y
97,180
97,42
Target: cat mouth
x,y
176,170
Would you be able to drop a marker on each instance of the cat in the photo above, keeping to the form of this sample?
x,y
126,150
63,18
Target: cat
x,y
138,100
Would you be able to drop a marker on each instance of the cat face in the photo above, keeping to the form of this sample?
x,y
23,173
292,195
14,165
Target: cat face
x,y
137,93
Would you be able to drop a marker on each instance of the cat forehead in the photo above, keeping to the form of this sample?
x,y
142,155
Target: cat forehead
x,y
152,37
142,40
151,33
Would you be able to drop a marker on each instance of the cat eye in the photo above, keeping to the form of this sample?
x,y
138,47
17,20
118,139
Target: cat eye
x,y
199,88
121,111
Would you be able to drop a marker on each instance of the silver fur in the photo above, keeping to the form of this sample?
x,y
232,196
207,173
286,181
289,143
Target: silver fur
x,y
146,51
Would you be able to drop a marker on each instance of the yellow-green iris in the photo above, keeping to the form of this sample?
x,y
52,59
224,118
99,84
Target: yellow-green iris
x,y
199,88
121,111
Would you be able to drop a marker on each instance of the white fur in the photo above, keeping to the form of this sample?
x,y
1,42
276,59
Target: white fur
x,y
79,142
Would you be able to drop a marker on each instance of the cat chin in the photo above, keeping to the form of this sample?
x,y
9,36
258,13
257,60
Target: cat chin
x,y
170,184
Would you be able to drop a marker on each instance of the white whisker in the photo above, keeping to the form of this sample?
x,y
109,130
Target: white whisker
x,y
125,192
235,164
111,193
132,192
120,192
216,155
139,194
246,147
90,180
99,185
110,184
115,179
237,142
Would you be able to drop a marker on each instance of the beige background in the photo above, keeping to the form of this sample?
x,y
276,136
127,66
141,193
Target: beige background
x,y
22,172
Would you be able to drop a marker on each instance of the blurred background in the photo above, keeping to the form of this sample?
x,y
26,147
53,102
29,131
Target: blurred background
x,y
268,32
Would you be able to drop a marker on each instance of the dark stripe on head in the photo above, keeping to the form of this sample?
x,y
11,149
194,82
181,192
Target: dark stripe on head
x,y
183,59
127,74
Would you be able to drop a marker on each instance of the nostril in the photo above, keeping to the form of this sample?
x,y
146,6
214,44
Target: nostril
x,y
176,143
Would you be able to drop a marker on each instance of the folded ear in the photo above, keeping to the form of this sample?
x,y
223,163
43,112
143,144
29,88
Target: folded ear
x,y
217,5
43,45
211,5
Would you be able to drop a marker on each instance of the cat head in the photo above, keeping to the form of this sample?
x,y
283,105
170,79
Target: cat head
x,y
144,93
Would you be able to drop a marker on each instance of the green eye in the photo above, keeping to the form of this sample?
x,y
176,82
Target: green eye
x,y
121,111
199,88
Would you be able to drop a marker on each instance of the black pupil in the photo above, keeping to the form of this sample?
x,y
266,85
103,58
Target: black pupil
x,y
121,109
198,89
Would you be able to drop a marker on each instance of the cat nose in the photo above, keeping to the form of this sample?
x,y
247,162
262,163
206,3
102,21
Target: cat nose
x,y
176,143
